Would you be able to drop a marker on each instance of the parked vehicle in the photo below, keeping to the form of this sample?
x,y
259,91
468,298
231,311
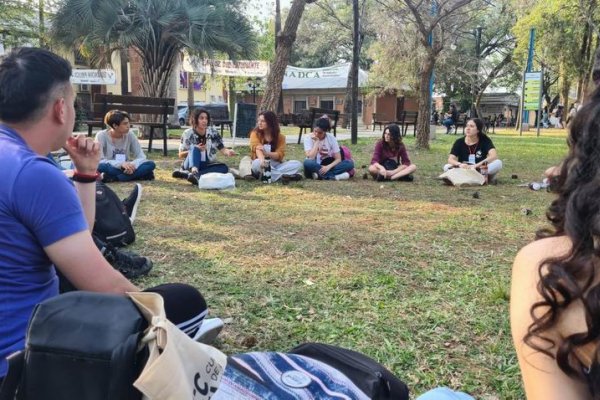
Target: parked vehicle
x,y
183,110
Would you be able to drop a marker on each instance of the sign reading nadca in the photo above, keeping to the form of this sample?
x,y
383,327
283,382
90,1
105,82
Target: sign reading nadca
x,y
338,71
94,77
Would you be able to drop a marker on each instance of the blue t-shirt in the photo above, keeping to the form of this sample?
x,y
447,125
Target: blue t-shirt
x,y
38,207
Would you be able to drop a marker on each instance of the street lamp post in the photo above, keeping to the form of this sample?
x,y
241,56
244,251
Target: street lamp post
x,y
252,85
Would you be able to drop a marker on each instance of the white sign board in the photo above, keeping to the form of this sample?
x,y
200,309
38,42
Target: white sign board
x,y
244,68
94,77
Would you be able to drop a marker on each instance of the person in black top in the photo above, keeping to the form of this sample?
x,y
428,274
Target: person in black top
x,y
472,150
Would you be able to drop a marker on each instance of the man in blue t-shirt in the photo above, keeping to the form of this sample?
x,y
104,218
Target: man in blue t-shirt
x,y
45,219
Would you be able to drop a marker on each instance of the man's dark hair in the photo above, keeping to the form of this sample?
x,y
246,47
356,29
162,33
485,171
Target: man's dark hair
x,y
28,77
115,117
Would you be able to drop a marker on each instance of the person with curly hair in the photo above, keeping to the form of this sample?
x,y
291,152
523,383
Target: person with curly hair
x,y
555,294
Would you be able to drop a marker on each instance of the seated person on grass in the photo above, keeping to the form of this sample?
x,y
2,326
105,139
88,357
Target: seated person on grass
x,y
199,146
41,234
474,149
323,157
390,159
122,158
267,142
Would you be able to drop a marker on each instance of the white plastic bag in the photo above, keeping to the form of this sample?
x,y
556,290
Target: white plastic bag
x,y
216,181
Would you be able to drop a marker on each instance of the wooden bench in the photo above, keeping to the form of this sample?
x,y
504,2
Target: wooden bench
x,y
409,118
381,120
461,121
134,106
219,116
307,119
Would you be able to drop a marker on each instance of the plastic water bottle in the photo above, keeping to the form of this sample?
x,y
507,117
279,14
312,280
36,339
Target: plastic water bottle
x,y
483,170
266,176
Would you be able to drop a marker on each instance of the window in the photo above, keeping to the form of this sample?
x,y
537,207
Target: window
x,y
299,106
328,104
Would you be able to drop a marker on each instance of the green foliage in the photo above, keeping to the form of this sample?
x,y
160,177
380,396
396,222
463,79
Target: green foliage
x,y
324,35
157,30
19,22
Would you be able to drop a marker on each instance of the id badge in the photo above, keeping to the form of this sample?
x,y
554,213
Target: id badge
x,y
471,159
120,158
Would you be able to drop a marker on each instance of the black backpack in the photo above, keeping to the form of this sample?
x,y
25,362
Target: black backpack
x,y
112,224
79,345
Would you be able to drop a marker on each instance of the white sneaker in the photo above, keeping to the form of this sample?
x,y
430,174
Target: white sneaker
x,y
315,176
342,177
209,330
132,201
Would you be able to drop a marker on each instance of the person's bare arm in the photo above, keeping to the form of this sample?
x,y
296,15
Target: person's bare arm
x,y
542,378
80,261
85,155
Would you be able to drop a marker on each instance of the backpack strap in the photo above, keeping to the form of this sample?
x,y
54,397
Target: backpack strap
x,y
8,390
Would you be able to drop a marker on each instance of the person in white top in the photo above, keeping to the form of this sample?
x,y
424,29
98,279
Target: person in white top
x,y
122,158
323,156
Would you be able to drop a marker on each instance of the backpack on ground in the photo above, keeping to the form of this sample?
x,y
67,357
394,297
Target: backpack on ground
x,y
112,224
84,345
308,372
347,155
79,345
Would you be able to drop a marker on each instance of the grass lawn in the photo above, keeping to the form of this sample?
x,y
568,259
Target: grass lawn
x,y
416,275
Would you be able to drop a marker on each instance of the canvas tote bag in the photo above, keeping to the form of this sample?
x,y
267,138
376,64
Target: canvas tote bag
x,y
178,367
463,177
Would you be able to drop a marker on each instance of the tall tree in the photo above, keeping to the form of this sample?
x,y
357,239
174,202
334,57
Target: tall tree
x,y
156,30
285,40
436,23
564,41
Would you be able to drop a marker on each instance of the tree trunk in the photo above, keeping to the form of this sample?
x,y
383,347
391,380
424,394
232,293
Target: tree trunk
x,y
156,72
190,91
284,40
488,80
355,53
424,102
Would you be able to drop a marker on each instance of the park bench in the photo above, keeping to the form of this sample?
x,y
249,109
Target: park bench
x,y
219,116
307,119
462,121
409,118
135,106
381,120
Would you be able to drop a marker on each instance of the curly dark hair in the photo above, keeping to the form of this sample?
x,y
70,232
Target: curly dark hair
x,y
575,213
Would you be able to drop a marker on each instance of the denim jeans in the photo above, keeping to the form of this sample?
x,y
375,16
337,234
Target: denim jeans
x,y
448,122
311,166
194,159
144,171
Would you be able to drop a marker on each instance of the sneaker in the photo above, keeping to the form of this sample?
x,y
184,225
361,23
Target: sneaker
x,y
209,330
180,174
105,178
315,176
342,177
193,178
249,178
149,176
407,178
291,178
380,178
132,201
128,263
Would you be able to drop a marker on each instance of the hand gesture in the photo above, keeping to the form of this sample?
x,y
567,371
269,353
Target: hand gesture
x,y
84,152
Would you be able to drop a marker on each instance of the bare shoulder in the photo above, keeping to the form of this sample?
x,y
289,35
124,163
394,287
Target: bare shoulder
x,y
530,256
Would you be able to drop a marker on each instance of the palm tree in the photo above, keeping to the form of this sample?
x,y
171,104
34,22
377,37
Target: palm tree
x,y
157,30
